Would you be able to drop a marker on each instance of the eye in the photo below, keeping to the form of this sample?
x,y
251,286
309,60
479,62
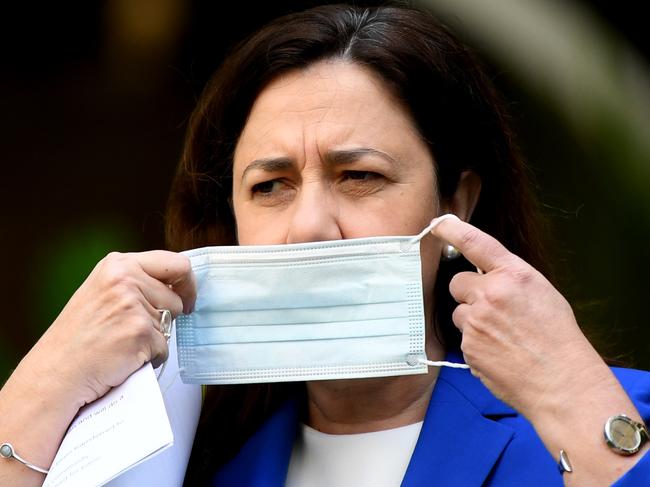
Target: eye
x,y
361,183
361,175
272,192
266,187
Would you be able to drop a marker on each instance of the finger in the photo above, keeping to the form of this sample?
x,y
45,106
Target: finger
x,y
465,287
159,295
154,314
186,289
460,316
481,249
159,348
173,269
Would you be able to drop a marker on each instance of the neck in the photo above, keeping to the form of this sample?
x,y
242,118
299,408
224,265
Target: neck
x,y
364,405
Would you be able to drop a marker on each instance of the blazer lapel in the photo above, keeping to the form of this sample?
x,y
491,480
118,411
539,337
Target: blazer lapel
x,y
458,444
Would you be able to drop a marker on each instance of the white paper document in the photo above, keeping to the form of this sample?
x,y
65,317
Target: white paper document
x,y
125,438
183,403
113,433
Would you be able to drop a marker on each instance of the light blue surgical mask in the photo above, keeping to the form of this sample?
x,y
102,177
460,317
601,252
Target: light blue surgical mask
x,y
321,310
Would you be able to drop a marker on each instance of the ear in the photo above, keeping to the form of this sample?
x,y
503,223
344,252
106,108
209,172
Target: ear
x,y
464,200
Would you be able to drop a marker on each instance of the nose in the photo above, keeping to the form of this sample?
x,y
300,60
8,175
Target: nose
x,y
315,215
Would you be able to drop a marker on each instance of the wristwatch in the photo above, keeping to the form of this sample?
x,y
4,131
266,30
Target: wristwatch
x,y
624,435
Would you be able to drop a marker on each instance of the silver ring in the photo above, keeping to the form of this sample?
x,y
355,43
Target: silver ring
x,y
165,323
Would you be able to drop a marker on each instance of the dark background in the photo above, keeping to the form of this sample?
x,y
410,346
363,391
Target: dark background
x,y
94,102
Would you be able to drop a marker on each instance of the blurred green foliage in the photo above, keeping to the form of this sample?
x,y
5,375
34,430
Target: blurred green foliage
x,y
65,264
59,266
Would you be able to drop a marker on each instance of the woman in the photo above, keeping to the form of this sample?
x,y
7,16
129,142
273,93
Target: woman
x,y
333,124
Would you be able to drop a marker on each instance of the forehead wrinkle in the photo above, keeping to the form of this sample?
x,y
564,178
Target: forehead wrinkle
x,y
331,116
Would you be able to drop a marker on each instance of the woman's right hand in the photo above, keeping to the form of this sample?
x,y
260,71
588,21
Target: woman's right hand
x,y
110,326
107,331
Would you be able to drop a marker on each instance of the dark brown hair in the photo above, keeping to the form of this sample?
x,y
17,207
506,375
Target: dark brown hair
x,y
455,108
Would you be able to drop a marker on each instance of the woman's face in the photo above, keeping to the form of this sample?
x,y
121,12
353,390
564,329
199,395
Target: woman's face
x,y
327,153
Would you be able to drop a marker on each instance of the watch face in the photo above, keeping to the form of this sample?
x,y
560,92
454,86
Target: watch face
x,y
623,435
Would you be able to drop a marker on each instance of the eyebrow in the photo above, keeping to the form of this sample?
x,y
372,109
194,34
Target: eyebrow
x,y
347,156
269,164
335,157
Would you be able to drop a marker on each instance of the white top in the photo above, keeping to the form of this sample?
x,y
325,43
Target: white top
x,y
377,459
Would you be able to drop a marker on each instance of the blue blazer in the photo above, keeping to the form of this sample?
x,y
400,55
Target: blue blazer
x,y
469,438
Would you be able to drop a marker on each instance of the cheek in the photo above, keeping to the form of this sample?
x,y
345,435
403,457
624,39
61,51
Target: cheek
x,y
253,226
404,209
252,230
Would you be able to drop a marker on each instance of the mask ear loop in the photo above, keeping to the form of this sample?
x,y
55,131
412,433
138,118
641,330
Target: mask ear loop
x,y
162,370
437,363
429,228
413,359
164,365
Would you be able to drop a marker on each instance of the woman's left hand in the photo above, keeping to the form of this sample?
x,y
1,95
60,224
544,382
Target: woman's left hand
x,y
521,339
520,336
